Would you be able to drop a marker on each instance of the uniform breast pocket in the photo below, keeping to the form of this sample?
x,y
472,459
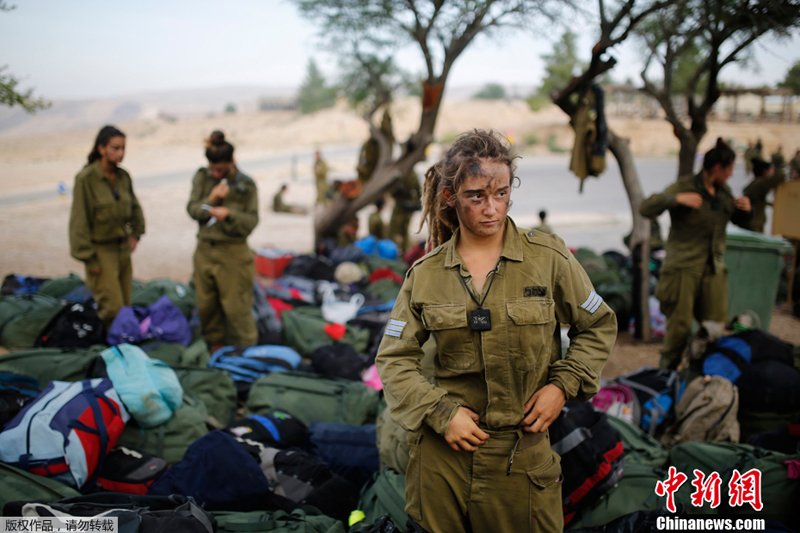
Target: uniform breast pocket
x,y
530,332
448,322
105,213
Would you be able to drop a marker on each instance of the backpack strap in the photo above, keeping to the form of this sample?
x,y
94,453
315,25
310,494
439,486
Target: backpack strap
x,y
191,509
92,397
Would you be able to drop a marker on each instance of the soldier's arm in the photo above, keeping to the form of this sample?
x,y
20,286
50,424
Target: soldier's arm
x,y
80,227
197,199
656,204
137,215
411,398
593,330
241,222
742,218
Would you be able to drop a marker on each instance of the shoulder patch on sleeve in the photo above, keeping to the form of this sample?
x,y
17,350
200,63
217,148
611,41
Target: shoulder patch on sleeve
x,y
395,328
547,240
592,303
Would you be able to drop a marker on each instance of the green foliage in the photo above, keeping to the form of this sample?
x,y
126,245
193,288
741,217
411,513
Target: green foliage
x,y
230,108
10,97
531,139
537,102
370,81
491,91
792,79
552,146
314,95
560,66
687,64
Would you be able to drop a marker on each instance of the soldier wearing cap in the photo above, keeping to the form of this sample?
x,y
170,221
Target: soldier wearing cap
x,y
493,296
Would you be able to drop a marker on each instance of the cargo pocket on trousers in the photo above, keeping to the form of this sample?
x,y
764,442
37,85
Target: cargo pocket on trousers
x,y
413,477
546,477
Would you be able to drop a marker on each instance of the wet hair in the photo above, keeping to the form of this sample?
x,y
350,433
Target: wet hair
x,y
104,136
218,150
463,159
760,166
721,154
542,215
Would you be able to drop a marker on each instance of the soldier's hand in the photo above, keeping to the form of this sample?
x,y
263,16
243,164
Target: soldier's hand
x,y
463,433
219,192
689,199
133,242
94,271
743,203
543,408
220,212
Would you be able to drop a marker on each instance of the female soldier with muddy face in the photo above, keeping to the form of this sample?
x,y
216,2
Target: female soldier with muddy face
x,y
105,224
493,295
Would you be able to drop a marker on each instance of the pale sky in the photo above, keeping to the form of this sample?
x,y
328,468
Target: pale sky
x,y
76,49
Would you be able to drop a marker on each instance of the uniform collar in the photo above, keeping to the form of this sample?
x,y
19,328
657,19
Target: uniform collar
x,y
512,246
97,171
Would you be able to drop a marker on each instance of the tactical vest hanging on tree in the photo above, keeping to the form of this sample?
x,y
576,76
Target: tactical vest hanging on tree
x,y
591,135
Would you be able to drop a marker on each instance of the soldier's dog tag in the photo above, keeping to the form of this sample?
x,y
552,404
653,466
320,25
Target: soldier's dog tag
x,y
480,320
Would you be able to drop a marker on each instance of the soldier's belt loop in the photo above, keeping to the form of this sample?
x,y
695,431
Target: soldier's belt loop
x,y
513,451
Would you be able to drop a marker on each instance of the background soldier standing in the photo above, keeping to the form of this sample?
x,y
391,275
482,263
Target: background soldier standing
x,y
694,279
375,223
766,178
321,178
225,204
407,197
493,296
105,224
370,151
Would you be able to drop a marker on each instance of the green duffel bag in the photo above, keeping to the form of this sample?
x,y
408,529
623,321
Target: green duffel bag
x,y
779,494
181,294
22,318
635,491
196,354
384,290
640,448
19,485
303,330
313,398
212,386
305,520
171,439
59,287
51,364
386,494
398,266
752,422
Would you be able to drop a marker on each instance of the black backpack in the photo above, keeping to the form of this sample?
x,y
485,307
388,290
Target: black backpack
x,y
339,360
658,392
592,458
76,325
316,267
130,471
276,429
16,390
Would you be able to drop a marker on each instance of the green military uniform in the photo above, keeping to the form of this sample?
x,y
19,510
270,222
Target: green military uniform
x,y
278,205
407,199
794,165
343,238
749,153
779,163
368,158
694,279
757,190
537,285
376,226
103,217
224,270
321,177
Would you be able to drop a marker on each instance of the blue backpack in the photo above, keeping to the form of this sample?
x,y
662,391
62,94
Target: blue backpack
x,y
66,432
729,355
162,321
658,392
249,364
350,451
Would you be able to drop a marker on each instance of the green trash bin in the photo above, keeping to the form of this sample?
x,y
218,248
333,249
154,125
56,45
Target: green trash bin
x,y
754,262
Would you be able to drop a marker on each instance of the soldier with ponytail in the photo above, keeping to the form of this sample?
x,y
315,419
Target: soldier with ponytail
x,y
105,223
694,280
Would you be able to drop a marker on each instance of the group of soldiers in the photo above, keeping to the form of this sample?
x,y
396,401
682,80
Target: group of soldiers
x,y
406,194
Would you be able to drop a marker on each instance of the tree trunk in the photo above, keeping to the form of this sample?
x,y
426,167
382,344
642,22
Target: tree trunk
x,y
384,178
640,237
687,153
